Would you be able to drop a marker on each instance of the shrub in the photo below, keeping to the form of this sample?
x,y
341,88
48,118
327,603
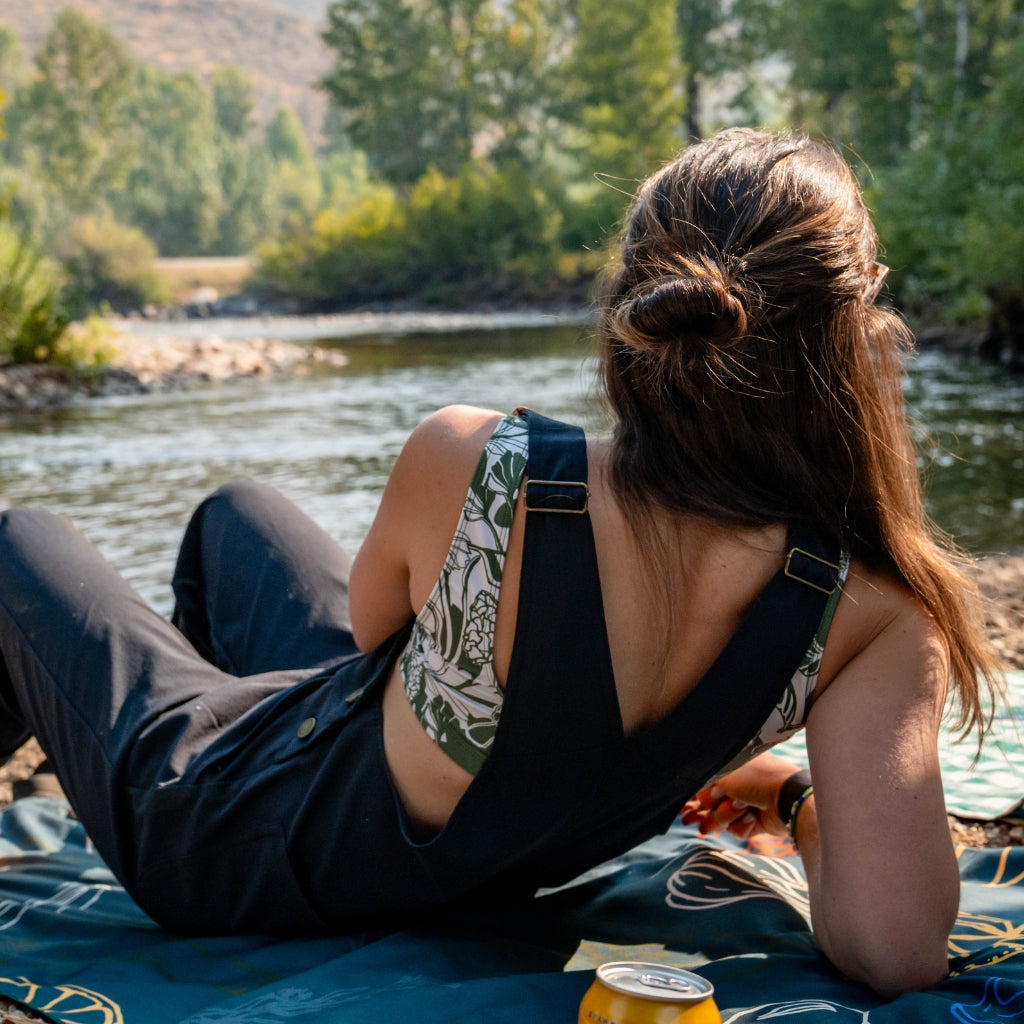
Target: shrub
x,y
85,345
108,264
485,232
32,312
478,223
350,254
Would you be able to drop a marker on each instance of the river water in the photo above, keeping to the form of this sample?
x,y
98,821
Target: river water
x,y
129,471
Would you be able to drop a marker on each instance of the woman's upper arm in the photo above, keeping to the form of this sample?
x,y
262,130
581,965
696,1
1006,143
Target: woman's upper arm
x,y
404,550
885,886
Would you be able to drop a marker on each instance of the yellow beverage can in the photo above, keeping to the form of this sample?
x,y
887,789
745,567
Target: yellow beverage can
x,y
633,992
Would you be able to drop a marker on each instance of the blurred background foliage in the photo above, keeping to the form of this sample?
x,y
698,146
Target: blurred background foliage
x,y
484,150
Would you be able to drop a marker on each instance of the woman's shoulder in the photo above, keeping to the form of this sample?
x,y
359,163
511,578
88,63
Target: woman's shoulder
x,y
878,612
399,560
880,592
453,427
443,449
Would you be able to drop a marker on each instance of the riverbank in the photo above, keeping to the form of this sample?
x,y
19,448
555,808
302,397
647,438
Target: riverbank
x,y
1001,581
151,356
141,365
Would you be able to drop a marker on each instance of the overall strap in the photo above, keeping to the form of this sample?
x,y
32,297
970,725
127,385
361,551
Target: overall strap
x,y
560,683
561,621
724,712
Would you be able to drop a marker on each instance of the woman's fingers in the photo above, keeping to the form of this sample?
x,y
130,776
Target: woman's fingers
x,y
724,814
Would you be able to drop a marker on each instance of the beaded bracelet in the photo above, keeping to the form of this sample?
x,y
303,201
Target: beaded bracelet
x,y
797,804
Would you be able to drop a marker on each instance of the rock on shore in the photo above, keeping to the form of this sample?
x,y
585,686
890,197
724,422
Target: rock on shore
x,y
143,365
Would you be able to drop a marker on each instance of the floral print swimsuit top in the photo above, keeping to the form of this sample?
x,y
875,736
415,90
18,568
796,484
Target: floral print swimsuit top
x,y
448,665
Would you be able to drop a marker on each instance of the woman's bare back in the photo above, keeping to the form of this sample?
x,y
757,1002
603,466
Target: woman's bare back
x,y
671,600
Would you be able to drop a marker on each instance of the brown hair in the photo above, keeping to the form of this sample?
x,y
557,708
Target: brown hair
x,y
753,384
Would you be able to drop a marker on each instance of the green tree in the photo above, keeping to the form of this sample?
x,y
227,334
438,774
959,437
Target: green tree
x,y
843,71
525,41
234,97
431,83
624,87
72,114
993,231
951,211
12,68
346,177
286,139
173,186
697,21
93,130
245,208
386,83
244,167
622,84
731,70
295,186
911,65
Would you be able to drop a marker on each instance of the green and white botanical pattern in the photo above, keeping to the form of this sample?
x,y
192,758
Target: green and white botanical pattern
x,y
789,715
447,666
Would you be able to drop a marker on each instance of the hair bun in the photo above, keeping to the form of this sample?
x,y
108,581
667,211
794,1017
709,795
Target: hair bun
x,y
693,313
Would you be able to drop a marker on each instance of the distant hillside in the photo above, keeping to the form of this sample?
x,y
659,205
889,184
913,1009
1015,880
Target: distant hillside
x,y
314,9
277,42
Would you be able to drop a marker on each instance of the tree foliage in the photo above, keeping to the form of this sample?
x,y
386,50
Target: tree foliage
x,y
93,133
492,144
234,97
72,112
625,73
428,83
391,88
951,210
32,315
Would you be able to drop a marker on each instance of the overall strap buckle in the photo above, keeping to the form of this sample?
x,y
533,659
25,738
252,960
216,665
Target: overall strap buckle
x,y
567,497
817,573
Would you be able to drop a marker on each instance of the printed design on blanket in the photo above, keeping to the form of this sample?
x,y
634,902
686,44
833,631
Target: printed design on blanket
x,y
838,1012
1000,1001
1000,878
274,1007
710,879
72,1004
999,938
66,896
714,878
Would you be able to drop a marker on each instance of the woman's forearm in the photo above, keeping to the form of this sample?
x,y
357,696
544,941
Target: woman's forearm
x,y
885,941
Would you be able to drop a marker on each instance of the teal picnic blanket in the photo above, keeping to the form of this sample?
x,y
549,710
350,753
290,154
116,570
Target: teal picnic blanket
x,y
73,945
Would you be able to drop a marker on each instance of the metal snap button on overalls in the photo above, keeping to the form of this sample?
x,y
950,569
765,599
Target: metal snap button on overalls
x,y
306,727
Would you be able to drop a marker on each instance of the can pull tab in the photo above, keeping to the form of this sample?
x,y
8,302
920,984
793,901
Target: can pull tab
x,y
665,981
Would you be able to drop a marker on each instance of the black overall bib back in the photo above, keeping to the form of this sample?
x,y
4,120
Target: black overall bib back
x,y
264,804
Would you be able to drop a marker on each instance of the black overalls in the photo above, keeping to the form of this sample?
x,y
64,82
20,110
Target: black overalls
x,y
246,789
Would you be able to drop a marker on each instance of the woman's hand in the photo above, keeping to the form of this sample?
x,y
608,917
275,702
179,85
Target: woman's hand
x,y
744,802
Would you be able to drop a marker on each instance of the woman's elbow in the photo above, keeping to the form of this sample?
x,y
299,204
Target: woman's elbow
x,y
891,977
892,964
